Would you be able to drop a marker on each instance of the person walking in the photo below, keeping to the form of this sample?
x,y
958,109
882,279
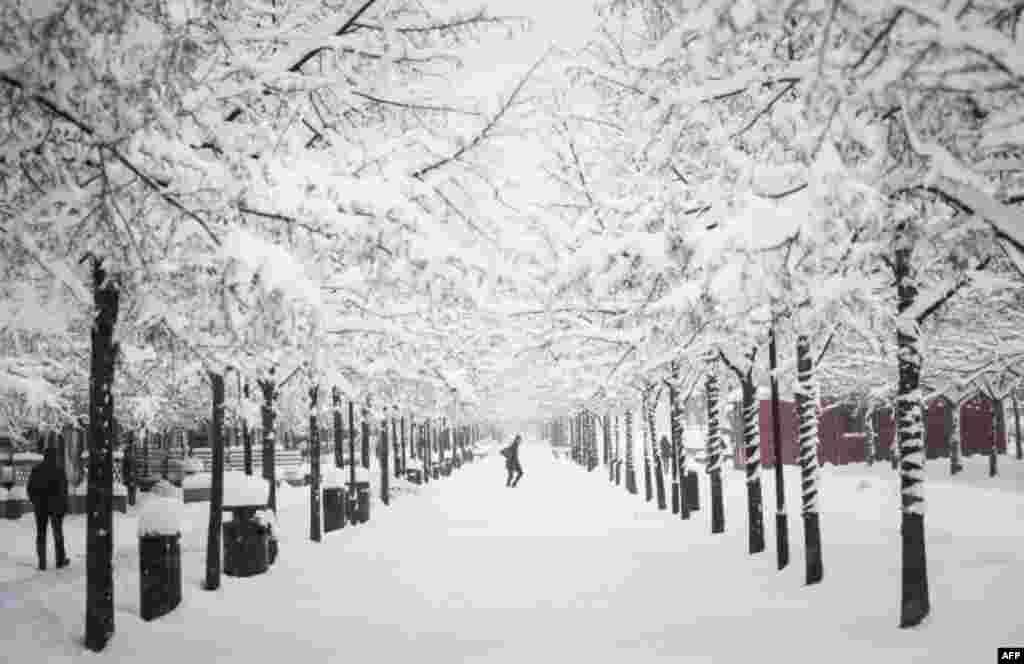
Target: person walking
x,y
48,491
512,465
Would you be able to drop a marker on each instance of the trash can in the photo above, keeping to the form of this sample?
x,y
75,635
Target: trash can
x,y
359,502
160,571
692,491
246,543
17,503
334,504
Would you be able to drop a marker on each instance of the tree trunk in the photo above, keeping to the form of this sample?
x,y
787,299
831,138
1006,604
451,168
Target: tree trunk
x,y
246,438
213,533
352,446
314,465
366,438
1016,426
659,476
955,439
99,597
268,412
806,402
781,520
998,432
914,604
714,449
647,444
404,466
617,463
871,439
339,448
385,489
630,470
397,453
606,443
752,455
678,450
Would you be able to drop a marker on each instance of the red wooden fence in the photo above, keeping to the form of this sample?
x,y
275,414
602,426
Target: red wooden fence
x,y
839,443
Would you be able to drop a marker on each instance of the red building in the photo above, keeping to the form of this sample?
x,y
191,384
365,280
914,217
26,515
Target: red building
x,y
837,447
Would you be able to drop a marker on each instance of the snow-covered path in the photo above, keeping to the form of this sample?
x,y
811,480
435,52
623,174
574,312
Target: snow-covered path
x,y
562,568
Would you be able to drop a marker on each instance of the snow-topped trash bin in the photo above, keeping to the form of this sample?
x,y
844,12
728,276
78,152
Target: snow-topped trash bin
x,y
247,536
196,487
414,471
4,502
160,552
18,502
334,499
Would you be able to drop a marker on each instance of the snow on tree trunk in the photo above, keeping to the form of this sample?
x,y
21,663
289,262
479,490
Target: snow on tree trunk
x,y
647,444
352,446
630,469
659,476
385,490
676,415
99,597
714,447
914,605
781,519
366,438
1016,426
618,453
606,442
606,439
246,439
396,452
955,439
268,414
752,452
404,457
213,533
807,409
314,465
998,432
336,425
871,439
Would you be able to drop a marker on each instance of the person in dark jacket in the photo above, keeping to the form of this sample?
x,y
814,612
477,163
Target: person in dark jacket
x,y
512,465
48,491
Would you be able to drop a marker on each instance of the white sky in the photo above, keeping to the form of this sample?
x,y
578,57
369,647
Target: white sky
x,y
498,64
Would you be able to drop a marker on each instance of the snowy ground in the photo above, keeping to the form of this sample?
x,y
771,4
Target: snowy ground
x,y
563,568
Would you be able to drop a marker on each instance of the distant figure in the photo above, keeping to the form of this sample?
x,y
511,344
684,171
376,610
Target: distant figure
x,y
512,465
48,491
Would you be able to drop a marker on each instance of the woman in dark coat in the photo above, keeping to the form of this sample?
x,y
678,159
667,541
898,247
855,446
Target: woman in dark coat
x,y
512,465
48,491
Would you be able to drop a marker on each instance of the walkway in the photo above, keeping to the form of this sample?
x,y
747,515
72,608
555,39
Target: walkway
x,y
564,568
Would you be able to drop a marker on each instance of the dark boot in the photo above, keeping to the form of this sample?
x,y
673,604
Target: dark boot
x,y
57,523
